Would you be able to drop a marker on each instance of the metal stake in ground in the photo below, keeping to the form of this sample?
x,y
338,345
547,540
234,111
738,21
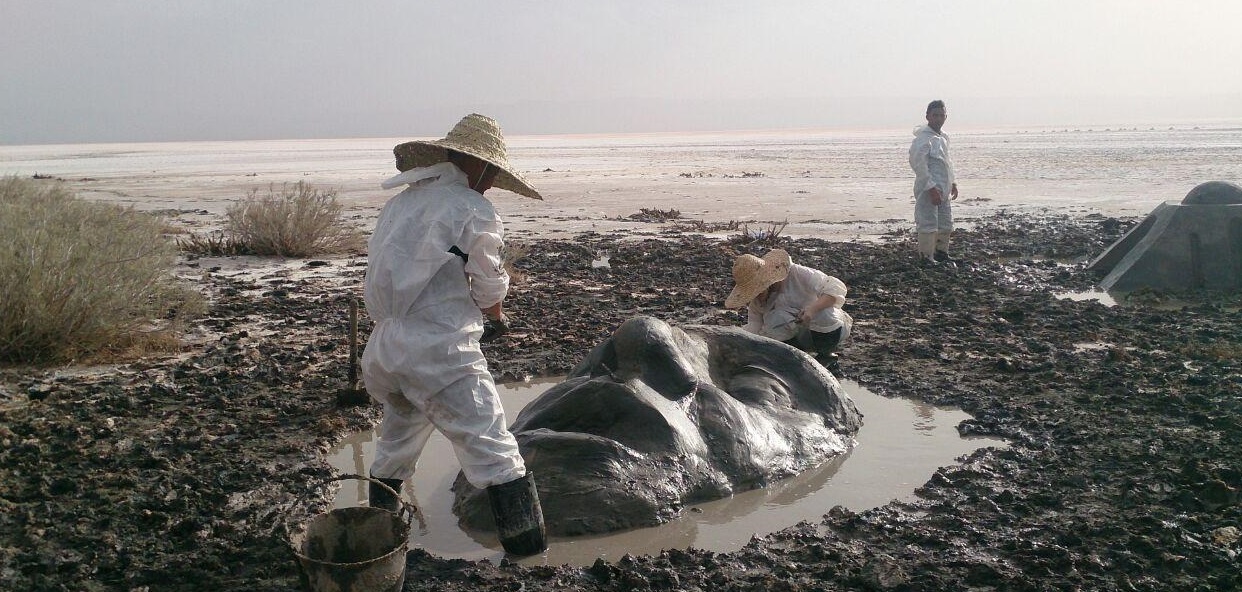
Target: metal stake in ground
x,y
351,394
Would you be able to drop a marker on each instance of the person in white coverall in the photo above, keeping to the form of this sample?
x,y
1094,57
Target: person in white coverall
x,y
434,271
934,185
792,303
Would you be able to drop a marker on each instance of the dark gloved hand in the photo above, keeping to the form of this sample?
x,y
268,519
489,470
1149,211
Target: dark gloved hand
x,y
494,328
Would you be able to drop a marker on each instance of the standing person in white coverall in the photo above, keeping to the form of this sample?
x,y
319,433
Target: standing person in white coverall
x,y
934,185
434,271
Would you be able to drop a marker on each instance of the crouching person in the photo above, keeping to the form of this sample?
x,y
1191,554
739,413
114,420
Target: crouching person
x,y
792,303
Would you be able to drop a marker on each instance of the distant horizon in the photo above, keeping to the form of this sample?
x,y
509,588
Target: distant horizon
x,y
581,119
1162,125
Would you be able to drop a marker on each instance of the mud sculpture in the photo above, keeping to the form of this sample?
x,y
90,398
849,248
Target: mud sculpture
x,y
657,417
1194,245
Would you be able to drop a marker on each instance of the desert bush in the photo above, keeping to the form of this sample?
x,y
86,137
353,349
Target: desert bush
x,y
510,254
214,244
296,220
81,279
769,237
655,215
703,226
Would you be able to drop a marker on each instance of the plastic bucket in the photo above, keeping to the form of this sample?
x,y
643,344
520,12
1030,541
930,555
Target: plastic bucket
x,y
358,549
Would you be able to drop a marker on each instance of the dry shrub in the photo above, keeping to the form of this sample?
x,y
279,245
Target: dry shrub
x,y
215,244
296,220
81,279
510,254
655,215
770,236
703,226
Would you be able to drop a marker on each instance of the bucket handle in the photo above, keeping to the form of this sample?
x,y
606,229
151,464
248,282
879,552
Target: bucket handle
x,y
405,512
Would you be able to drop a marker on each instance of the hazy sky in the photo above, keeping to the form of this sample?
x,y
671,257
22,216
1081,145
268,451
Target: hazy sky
x,y
113,70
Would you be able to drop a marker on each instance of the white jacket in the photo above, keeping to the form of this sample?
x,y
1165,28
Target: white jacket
x,y
929,157
425,300
804,285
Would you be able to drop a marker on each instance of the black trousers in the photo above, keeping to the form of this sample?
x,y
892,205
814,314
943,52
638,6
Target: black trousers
x,y
820,345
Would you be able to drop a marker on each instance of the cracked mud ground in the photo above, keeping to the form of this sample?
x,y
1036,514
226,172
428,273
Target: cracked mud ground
x,y
180,473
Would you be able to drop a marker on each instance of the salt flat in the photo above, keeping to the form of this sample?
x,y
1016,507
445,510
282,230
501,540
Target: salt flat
x,y
823,183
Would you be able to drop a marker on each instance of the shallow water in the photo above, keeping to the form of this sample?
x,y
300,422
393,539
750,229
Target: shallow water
x,y
1105,298
900,446
1156,302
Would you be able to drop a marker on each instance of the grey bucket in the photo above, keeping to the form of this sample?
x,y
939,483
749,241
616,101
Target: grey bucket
x,y
358,549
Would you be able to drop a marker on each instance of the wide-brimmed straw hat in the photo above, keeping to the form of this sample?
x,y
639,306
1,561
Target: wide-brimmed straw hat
x,y
476,135
753,275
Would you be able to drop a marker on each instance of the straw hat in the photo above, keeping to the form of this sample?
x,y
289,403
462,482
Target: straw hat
x,y
476,135
753,275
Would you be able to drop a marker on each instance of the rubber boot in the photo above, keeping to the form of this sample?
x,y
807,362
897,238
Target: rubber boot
x,y
942,247
927,246
382,498
832,362
519,517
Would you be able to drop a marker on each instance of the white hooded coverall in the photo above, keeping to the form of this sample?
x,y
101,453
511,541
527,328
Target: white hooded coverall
x,y
423,359
804,285
929,157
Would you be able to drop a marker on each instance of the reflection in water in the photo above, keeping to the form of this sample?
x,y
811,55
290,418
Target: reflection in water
x,y
924,417
360,460
900,445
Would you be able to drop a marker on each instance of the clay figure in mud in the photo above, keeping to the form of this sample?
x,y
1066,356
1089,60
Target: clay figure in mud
x,y
433,273
657,417
793,304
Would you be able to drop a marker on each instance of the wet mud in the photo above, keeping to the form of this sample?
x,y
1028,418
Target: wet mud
x,y
183,473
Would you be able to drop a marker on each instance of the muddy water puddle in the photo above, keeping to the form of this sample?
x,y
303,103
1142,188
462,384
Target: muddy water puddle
x,y
1105,298
1152,300
901,444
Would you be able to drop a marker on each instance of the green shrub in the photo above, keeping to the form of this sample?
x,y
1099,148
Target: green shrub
x,y
297,220
81,279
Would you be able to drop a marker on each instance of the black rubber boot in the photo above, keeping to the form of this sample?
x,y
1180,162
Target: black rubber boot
x,y
943,257
519,517
382,498
832,362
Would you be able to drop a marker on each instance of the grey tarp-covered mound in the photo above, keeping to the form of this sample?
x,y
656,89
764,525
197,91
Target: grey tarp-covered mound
x,y
1192,245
